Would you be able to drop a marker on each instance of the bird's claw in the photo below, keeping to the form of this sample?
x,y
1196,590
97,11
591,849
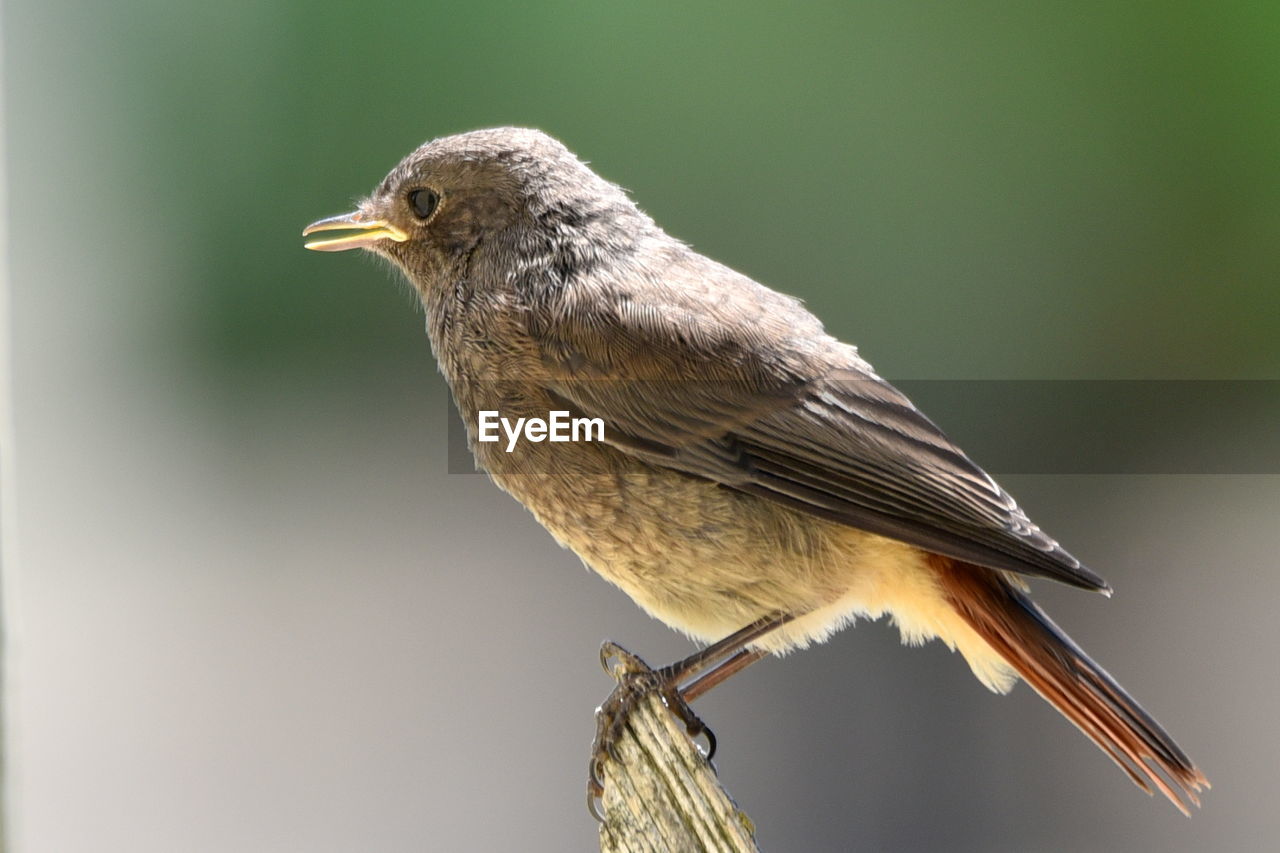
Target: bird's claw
x,y
618,662
695,729
636,679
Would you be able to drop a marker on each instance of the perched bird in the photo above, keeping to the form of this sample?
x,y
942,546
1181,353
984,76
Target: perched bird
x,y
758,485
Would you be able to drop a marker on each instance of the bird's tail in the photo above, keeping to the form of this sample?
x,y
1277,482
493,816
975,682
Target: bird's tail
x,y
1063,674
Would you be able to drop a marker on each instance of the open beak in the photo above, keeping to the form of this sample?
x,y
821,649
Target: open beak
x,y
369,231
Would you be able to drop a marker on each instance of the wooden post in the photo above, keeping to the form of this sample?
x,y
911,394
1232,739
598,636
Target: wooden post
x,y
663,796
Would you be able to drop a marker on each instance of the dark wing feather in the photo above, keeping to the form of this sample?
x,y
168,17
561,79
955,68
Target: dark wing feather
x,y
857,451
769,405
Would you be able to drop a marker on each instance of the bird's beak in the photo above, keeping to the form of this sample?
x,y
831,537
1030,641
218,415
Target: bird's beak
x,y
370,231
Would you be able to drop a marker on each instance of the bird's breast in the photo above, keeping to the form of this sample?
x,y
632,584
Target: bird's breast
x,y
700,557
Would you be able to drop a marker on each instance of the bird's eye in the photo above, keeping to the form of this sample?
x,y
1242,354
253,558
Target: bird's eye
x,y
423,203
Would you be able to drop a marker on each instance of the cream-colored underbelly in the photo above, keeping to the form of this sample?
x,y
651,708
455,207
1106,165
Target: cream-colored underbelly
x,y
707,560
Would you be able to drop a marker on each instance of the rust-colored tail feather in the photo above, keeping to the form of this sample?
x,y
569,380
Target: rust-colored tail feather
x,y
1063,674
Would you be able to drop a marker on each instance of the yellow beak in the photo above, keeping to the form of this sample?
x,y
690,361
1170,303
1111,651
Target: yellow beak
x,y
369,231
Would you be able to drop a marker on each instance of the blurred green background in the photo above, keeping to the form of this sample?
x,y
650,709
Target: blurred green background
x,y
254,610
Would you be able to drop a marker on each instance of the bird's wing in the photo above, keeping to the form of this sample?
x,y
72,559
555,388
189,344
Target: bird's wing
x,y
687,381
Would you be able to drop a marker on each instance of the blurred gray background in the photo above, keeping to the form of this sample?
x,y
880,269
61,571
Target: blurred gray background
x,y
255,612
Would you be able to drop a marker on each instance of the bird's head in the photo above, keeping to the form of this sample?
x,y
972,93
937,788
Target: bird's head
x,y
455,193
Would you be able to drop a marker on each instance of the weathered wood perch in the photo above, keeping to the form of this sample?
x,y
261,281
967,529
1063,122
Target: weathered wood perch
x,y
663,796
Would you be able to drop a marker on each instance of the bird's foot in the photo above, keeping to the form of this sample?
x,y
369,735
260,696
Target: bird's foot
x,y
636,680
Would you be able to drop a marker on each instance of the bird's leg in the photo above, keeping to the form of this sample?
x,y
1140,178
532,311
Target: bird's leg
x,y
719,674
702,670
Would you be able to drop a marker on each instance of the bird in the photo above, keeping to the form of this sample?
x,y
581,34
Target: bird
x,y
757,485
